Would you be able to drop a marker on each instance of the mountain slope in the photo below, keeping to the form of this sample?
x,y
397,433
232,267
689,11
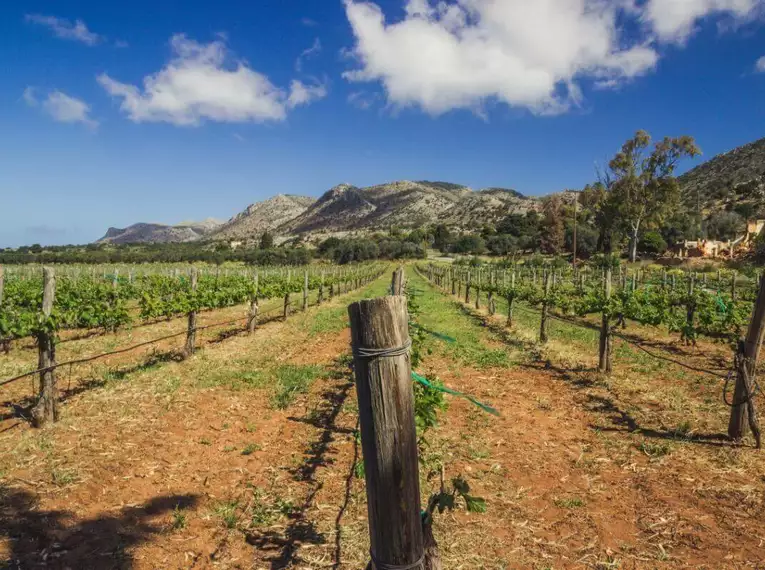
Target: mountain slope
x,y
264,216
734,179
340,208
487,206
160,233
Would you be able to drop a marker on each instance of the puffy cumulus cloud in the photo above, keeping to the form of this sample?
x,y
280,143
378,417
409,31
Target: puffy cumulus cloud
x,y
203,82
61,107
65,29
675,20
526,54
759,65
450,54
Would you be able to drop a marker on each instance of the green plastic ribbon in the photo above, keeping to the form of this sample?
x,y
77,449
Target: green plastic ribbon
x,y
486,408
438,335
721,304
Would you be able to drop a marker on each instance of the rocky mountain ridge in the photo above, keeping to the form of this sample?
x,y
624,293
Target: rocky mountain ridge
x,y
161,233
732,181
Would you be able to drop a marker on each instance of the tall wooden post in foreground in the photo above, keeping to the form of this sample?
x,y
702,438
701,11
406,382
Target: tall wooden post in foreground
x,y
46,409
380,340
191,332
746,364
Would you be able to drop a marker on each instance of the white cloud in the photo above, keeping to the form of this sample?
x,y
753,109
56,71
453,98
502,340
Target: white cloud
x,y
61,107
65,29
675,20
451,54
121,44
308,53
759,66
362,99
29,97
521,53
202,82
302,94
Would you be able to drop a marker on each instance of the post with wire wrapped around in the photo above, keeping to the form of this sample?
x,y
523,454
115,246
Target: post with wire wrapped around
x,y
742,409
46,409
380,341
191,332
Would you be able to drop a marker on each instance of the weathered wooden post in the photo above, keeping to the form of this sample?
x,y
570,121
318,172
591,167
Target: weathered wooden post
x,y
320,297
545,309
467,288
689,335
397,281
454,281
252,321
511,300
604,364
381,343
746,366
191,332
46,409
305,290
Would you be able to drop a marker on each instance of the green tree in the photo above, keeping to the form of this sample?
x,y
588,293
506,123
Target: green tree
x,y
442,237
725,225
266,240
642,187
553,229
652,242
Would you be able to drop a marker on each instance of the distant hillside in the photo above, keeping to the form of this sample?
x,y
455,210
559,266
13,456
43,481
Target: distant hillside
x,y
733,180
347,208
160,233
343,209
260,217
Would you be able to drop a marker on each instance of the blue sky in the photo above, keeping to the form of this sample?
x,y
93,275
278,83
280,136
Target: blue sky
x,y
115,113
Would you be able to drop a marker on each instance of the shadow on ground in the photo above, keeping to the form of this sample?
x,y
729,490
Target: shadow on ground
x,y
52,539
300,529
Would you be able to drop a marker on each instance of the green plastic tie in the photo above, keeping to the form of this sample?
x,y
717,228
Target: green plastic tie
x,y
438,335
426,383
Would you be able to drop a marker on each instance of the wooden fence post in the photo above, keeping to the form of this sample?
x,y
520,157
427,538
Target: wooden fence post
x,y
320,297
305,290
253,316
604,364
746,366
5,343
510,301
689,335
191,332
286,305
467,288
46,409
380,341
545,309
397,282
